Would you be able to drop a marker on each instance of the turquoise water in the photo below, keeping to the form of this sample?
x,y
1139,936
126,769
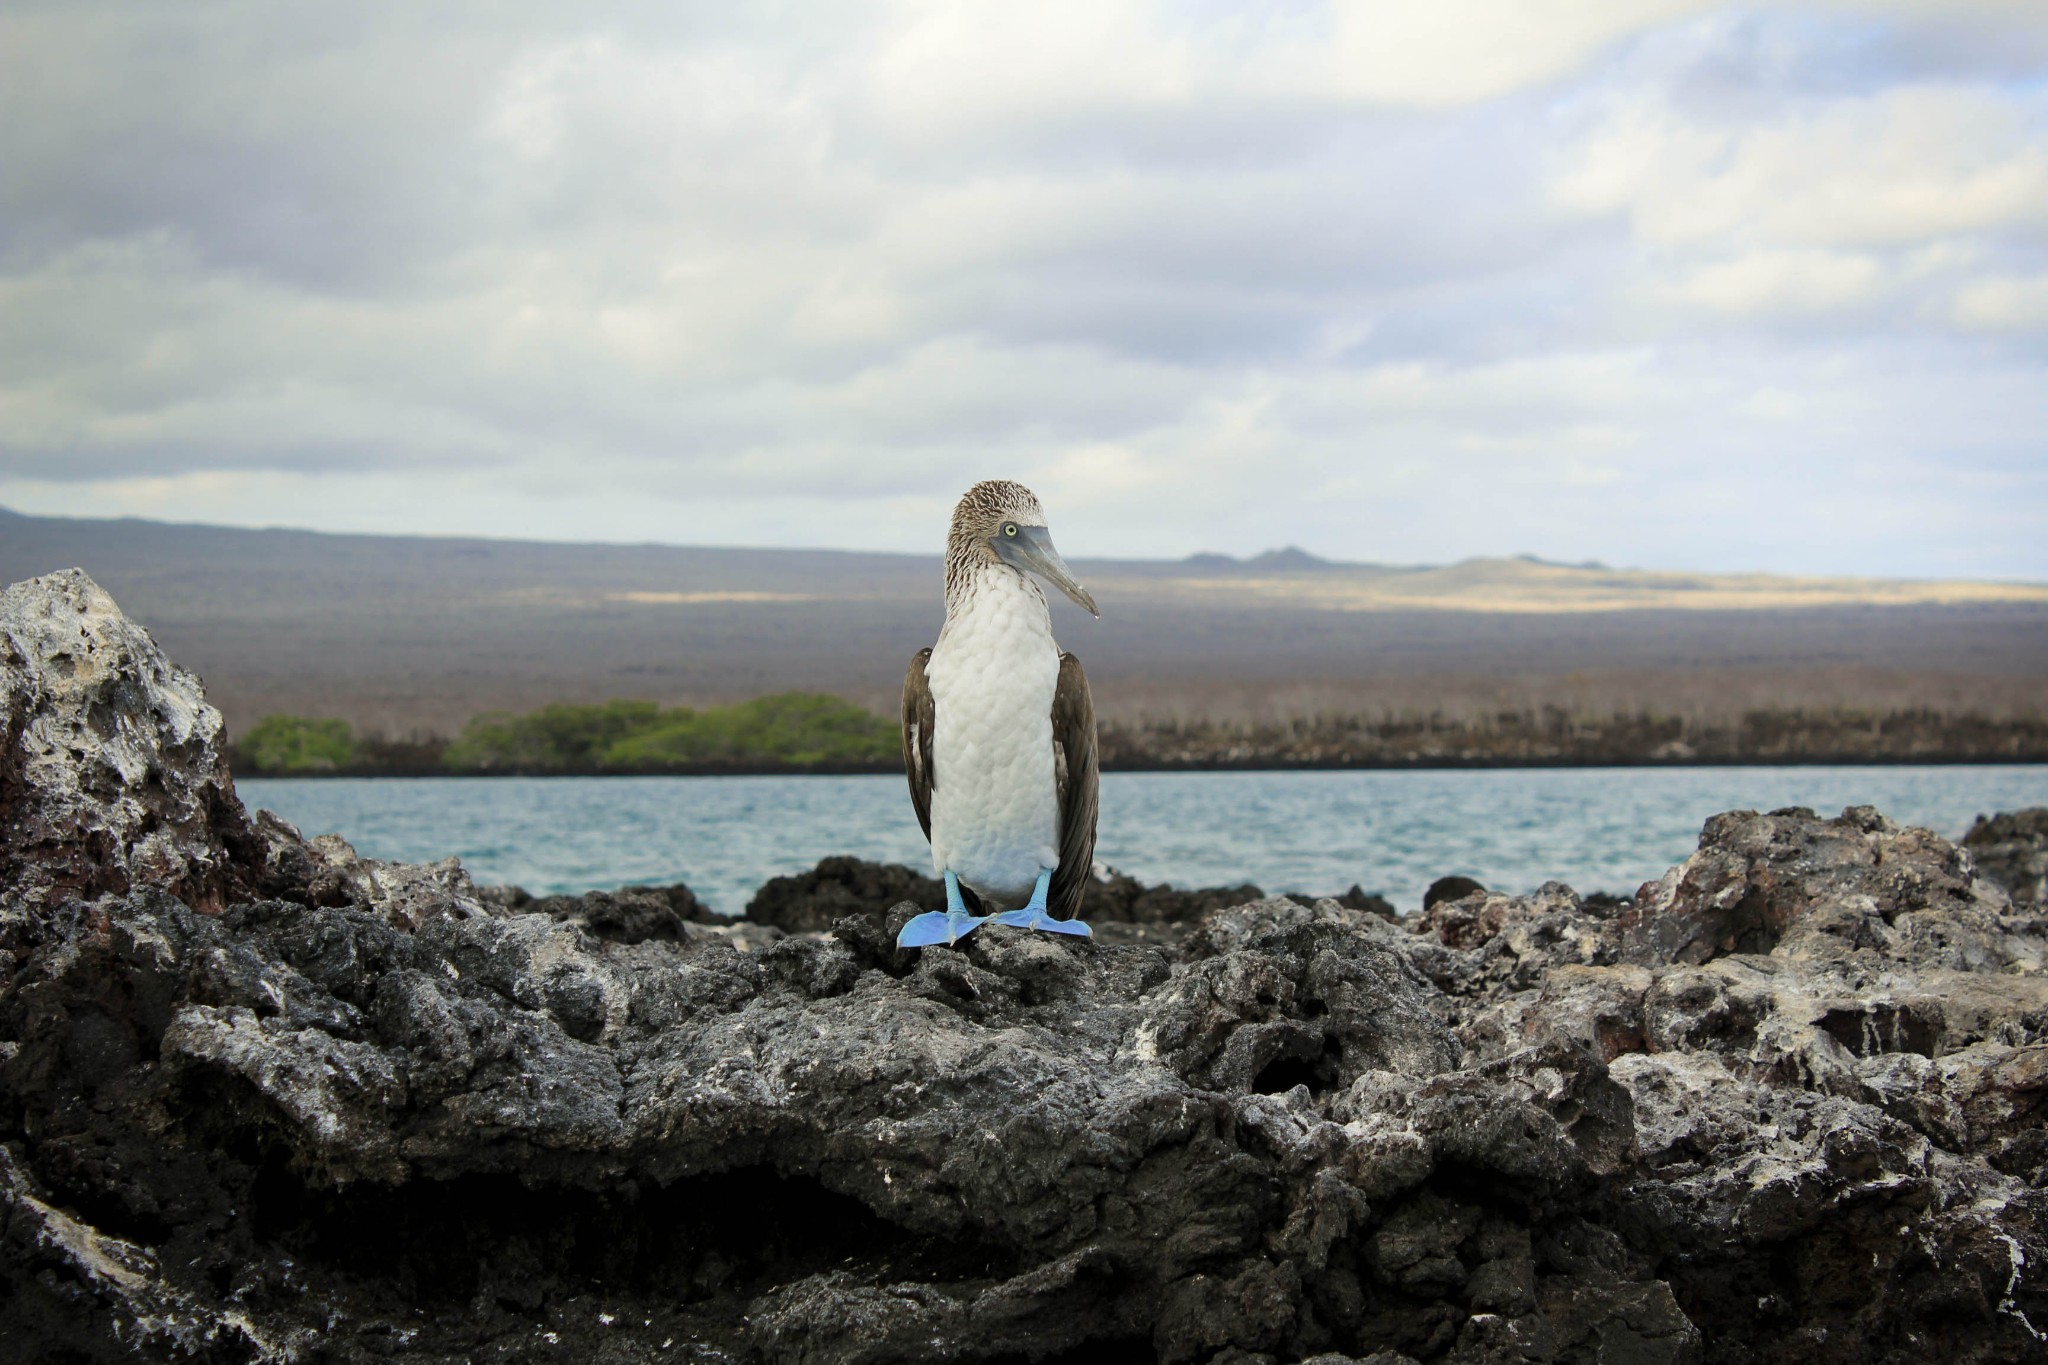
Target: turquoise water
x,y
1600,829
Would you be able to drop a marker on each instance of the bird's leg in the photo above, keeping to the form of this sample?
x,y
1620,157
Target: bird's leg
x,y
959,924
1034,916
941,926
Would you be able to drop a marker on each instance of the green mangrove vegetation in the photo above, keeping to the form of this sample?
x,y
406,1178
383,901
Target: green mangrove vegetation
x,y
559,738
794,731
789,729
297,745
802,729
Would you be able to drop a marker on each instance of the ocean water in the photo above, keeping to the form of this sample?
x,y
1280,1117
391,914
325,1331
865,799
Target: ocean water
x,y
1599,829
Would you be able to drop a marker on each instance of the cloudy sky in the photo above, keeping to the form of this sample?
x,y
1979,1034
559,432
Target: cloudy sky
x,y
1670,284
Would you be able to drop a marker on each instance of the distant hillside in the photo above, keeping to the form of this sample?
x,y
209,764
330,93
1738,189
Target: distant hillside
x,y
405,635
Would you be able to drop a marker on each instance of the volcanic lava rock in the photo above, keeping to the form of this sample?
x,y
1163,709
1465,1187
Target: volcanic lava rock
x,y
631,914
838,887
363,1111
113,769
1452,888
1357,898
1122,909
1829,889
1127,900
2012,850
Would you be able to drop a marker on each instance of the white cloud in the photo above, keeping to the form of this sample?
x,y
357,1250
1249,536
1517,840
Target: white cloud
x,y
1898,167
1440,54
2004,304
944,70
1783,282
2003,17
1103,475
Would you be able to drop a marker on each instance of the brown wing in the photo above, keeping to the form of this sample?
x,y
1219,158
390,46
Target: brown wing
x,y
1074,770
917,739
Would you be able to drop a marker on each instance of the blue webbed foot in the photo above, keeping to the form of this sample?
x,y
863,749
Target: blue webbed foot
x,y
941,926
936,926
1034,916
1038,919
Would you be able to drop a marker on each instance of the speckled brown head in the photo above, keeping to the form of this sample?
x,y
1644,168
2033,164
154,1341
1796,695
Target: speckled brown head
x,y
999,523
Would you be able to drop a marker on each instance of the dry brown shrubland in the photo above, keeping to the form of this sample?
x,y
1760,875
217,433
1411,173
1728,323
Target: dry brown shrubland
x,y
1701,697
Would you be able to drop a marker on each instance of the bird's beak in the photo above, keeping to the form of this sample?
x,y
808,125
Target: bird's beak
x,y
1031,549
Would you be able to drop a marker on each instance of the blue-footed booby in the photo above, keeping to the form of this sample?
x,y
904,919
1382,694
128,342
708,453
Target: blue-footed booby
x,y
999,730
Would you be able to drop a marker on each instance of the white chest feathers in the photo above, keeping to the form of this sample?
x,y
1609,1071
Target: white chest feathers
x,y
995,808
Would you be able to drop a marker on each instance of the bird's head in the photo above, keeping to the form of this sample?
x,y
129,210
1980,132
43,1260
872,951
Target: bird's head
x,y
1000,522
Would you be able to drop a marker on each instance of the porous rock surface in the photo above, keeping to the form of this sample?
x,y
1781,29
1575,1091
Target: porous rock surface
x,y
631,914
113,773
2012,850
814,901
837,887
1786,1104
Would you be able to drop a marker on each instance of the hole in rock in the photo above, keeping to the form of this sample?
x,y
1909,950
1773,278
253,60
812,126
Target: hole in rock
x,y
1509,1197
1282,1074
1303,1063
1752,927
449,1241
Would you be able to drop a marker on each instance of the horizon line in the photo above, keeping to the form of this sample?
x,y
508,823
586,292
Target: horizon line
x,y
1193,559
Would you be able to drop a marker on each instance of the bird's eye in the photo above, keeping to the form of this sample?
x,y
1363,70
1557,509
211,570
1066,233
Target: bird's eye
x,y
1009,528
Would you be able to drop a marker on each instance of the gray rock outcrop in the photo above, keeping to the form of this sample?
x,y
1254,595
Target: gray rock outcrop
x,y
1786,1104
2012,850
840,886
113,772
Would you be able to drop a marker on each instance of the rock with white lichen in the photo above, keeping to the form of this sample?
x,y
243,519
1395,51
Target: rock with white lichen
x,y
113,769
263,1099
